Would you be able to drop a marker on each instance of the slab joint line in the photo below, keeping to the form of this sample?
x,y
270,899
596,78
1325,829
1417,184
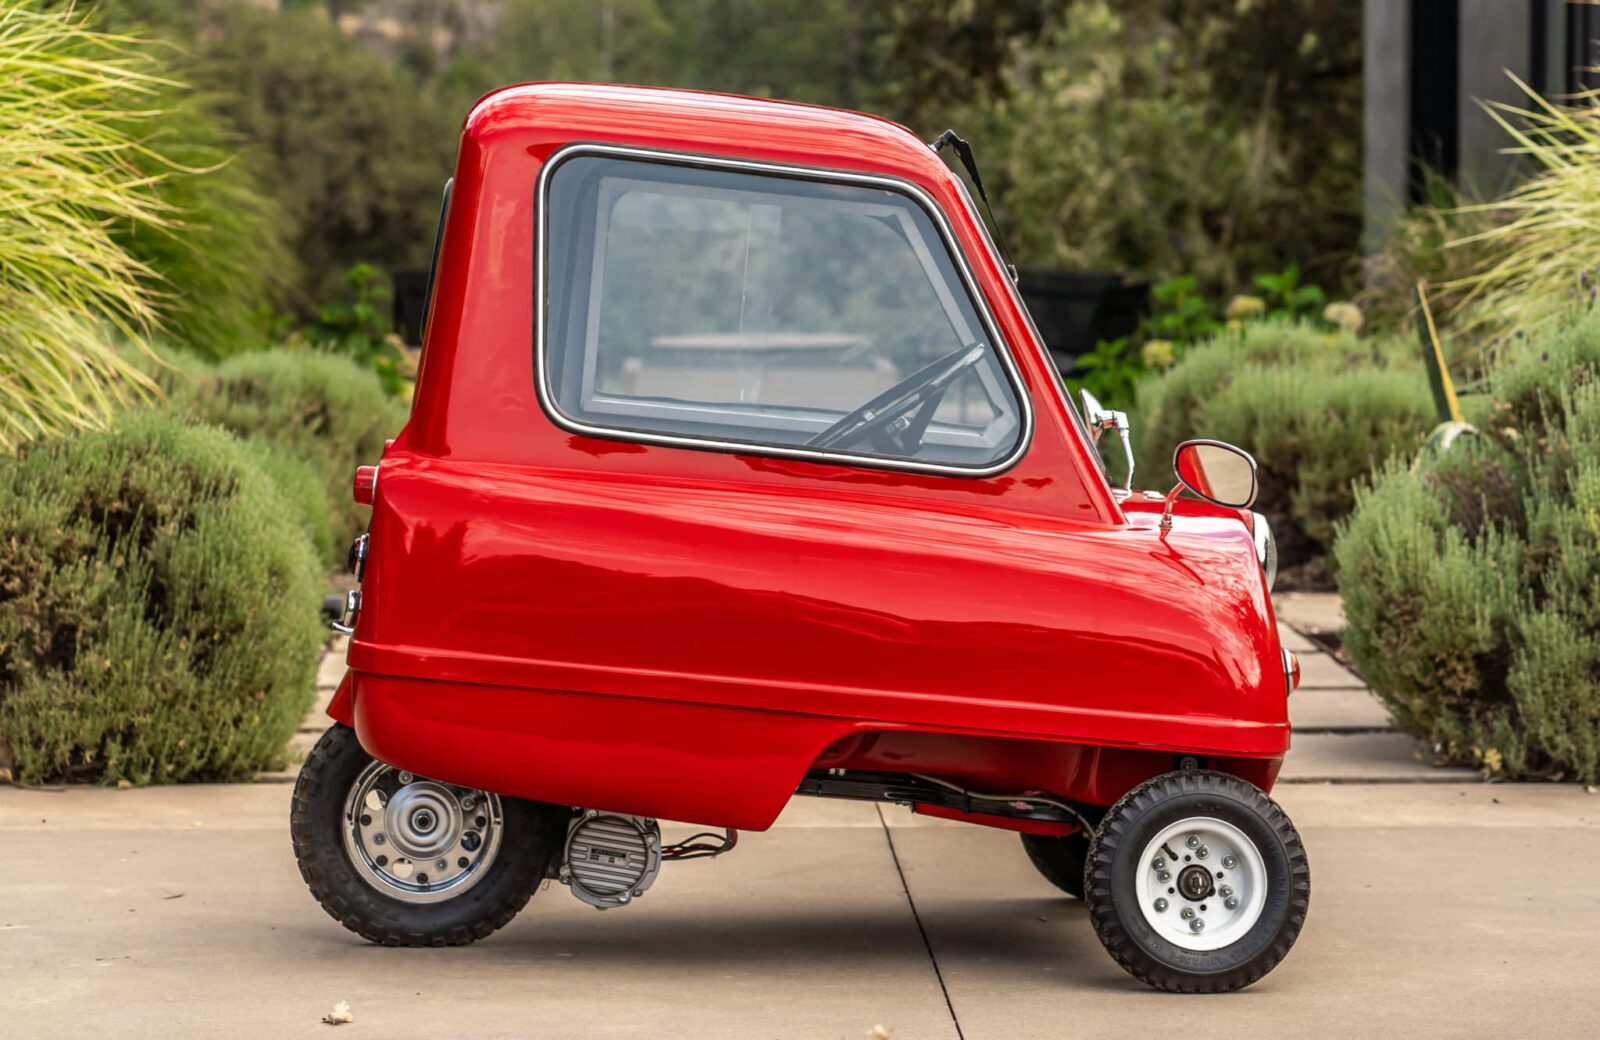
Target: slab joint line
x,y
921,928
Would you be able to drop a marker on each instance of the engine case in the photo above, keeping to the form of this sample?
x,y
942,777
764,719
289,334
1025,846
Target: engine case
x,y
609,858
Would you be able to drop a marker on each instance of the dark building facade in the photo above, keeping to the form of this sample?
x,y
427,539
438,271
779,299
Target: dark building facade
x,y
1427,65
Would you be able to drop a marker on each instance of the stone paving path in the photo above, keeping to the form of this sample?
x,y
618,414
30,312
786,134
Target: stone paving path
x,y
1342,733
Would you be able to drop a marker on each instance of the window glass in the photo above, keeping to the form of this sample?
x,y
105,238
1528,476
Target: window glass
x,y
769,310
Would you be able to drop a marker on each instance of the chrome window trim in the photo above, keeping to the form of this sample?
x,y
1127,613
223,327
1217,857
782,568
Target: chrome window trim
x,y
1002,348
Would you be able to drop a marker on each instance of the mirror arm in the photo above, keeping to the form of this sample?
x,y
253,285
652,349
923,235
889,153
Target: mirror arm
x,y
1121,419
1101,418
1172,500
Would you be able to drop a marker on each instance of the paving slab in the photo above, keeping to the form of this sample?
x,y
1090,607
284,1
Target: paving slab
x,y
1319,671
1293,640
330,668
1363,758
179,912
1310,611
1405,936
1325,710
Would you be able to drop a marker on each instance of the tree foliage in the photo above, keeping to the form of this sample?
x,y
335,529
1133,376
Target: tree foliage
x,y
1217,140
357,154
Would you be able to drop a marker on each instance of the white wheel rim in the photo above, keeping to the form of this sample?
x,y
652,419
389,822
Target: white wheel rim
x,y
1172,898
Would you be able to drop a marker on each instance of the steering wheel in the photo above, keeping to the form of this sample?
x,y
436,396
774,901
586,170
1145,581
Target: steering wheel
x,y
896,419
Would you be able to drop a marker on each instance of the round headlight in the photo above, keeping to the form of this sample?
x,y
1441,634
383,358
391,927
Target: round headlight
x,y
1266,548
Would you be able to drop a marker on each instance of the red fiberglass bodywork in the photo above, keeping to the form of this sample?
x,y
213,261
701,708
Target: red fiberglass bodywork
x,y
684,633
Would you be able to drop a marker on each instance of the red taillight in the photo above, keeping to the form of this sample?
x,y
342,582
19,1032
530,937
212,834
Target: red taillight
x,y
365,485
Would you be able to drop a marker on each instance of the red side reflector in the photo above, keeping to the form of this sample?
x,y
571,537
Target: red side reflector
x,y
365,485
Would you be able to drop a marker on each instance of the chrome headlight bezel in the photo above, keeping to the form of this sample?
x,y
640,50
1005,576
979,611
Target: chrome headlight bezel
x,y
1266,548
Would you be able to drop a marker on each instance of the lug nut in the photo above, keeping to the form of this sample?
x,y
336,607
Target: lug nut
x,y
1202,852
1229,862
441,865
1232,902
1193,842
1164,876
1196,925
468,803
1159,864
1226,890
378,839
1186,913
406,778
1161,905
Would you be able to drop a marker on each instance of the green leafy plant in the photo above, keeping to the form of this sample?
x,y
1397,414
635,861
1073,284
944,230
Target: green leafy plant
x,y
359,327
1110,372
1288,298
1180,312
157,607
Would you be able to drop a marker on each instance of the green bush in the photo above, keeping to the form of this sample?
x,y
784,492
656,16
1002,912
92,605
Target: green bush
x,y
1317,409
157,608
1471,581
323,410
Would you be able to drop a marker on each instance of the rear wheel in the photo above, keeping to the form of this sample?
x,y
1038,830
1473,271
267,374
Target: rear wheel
x,y
1059,860
1197,882
403,860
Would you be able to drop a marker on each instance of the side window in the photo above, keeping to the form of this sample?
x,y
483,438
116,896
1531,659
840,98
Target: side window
x,y
719,306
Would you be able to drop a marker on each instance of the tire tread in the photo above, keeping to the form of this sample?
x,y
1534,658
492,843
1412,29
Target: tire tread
x,y
1103,913
354,904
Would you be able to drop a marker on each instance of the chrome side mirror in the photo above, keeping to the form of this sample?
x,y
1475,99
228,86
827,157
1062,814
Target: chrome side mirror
x,y
1100,418
1219,473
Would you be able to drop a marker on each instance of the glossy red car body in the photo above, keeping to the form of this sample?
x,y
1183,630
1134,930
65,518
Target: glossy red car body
x,y
685,634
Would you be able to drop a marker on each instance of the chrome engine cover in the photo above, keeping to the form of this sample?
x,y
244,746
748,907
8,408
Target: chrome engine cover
x,y
610,858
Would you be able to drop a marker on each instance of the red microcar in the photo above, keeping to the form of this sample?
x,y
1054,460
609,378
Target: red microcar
x,y
737,470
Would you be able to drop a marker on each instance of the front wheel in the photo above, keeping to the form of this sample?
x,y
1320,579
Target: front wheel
x,y
403,860
1197,883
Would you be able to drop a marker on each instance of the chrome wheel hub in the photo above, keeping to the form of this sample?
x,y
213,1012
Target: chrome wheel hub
x,y
419,840
1201,884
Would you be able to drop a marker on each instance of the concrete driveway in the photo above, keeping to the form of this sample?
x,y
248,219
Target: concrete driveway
x,y
1438,910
